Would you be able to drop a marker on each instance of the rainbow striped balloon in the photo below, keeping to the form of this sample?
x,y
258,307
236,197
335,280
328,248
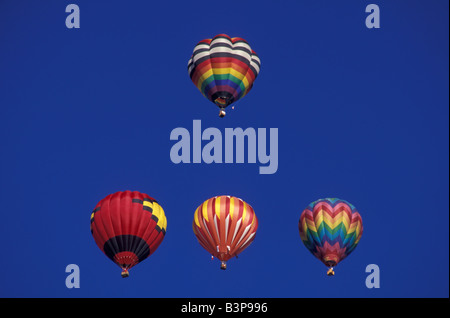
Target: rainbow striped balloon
x,y
331,230
223,69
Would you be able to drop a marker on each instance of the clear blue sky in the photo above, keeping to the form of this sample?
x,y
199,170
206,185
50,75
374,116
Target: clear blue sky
x,y
362,114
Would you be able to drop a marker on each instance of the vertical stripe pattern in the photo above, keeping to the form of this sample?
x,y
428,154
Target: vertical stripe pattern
x,y
225,226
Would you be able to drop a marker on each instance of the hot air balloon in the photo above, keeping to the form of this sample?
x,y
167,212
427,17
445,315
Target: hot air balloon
x,y
224,226
331,230
223,69
128,227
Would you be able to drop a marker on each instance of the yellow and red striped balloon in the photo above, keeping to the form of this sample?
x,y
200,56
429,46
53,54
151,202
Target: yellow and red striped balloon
x,y
225,226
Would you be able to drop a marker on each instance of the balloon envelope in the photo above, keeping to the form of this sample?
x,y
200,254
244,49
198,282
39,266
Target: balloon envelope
x,y
225,226
128,227
330,229
223,69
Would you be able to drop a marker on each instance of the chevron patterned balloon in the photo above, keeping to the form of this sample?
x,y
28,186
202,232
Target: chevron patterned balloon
x,y
330,229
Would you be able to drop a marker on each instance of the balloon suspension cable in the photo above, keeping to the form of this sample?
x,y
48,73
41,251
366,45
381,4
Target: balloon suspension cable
x,y
330,272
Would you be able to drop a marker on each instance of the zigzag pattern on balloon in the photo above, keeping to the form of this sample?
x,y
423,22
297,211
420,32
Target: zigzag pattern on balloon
x,y
330,229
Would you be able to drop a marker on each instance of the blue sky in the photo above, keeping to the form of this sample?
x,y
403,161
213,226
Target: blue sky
x,y
362,115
